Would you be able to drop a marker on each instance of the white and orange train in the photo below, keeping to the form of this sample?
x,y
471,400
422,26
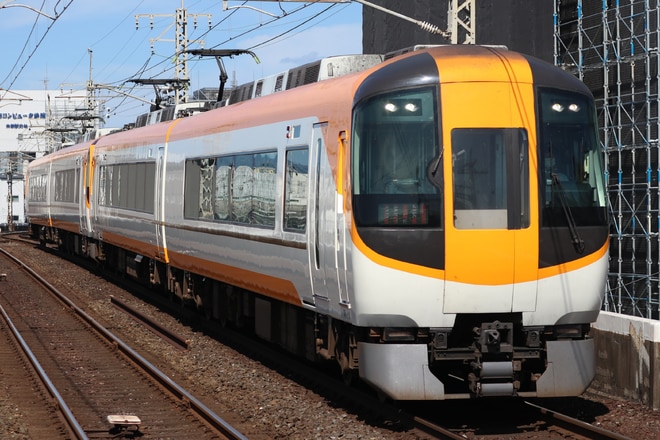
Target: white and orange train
x,y
435,222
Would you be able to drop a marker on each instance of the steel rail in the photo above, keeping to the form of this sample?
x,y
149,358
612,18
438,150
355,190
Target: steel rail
x,y
158,329
62,406
578,426
436,430
175,389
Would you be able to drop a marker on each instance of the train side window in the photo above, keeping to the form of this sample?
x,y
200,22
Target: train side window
x,y
103,186
224,171
295,187
114,174
133,182
37,188
198,189
264,189
122,185
239,188
242,188
66,184
128,186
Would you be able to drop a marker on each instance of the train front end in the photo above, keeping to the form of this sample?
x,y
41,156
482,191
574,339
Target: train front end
x,y
479,227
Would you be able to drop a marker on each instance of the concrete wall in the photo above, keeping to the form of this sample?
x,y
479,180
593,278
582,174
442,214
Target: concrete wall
x,y
628,358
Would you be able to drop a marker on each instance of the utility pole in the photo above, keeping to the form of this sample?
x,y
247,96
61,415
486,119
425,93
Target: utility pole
x,y
91,95
10,196
181,44
462,23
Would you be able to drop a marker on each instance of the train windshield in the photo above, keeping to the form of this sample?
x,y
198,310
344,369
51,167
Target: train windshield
x,y
395,144
572,185
491,178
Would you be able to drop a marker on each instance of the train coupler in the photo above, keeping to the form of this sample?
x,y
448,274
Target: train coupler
x,y
495,379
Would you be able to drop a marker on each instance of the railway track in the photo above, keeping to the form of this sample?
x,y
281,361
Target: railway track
x,y
539,422
570,427
101,386
405,422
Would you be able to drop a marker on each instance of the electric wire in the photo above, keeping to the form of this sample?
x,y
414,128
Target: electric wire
x,y
120,51
34,50
163,66
294,28
25,45
166,59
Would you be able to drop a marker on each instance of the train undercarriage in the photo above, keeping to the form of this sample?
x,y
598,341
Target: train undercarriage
x,y
482,355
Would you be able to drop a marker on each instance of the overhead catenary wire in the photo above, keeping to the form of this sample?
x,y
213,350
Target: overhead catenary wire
x,y
163,65
25,45
166,59
34,50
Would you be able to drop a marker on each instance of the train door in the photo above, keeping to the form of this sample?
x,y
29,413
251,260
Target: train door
x,y
322,238
491,232
159,205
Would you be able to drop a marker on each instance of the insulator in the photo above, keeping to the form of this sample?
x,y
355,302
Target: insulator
x,y
428,27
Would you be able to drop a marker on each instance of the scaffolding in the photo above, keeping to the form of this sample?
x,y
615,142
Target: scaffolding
x,y
612,46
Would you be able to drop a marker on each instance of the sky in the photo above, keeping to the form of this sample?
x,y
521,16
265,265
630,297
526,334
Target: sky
x,y
41,53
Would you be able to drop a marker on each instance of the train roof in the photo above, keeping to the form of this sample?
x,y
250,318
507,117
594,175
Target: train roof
x,y
316,71
320,70
327,68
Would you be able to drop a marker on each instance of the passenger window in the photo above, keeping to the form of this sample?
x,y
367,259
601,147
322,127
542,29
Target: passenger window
x,y
66,186
128,186
239,189
264,189
297,178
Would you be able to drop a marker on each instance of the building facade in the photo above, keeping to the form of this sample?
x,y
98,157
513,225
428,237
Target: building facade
x,y
32,123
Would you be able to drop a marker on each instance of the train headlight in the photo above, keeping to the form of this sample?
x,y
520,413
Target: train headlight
x,y
411,107
390,107
557,107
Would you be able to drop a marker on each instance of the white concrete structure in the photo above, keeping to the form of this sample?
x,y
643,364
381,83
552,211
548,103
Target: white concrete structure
x,y
32,123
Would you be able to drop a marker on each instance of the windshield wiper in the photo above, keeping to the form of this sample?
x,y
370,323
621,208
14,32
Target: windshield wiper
x,y
572,226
